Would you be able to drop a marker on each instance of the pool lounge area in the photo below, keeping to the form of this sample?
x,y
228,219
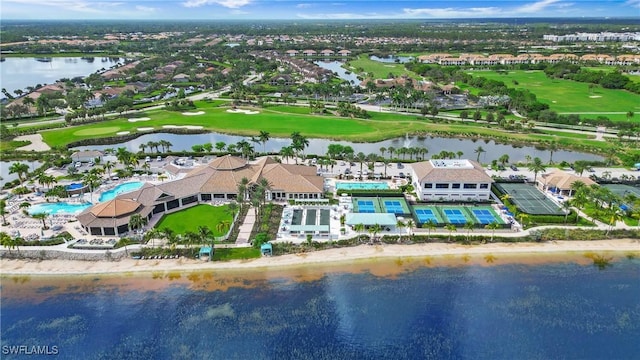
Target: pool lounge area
x,y
303,221
120,189
367,185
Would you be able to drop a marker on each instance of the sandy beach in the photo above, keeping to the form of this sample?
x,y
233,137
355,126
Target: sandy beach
x,y
338,256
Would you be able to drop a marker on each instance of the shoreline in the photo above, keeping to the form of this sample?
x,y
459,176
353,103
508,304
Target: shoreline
x,y
338,256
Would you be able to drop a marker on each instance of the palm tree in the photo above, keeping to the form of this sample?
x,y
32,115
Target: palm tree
x,y
137,221
459,153
493,226
242,190
374,230
359,228
382,151
3,211
522,217
287,152
400,224
479,150
552,147
107,167
410,225
429,225
469,226
232,209
391,151
220,145
223,226
264,186
8,241
19,169
91,179
142,147
451,228
536,166
41,216
263,137
504,159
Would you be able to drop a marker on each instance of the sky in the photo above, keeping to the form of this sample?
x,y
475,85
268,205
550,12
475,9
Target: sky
x,y
313,9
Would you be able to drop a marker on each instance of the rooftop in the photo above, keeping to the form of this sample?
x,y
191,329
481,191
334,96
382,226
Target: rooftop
x,y
451,164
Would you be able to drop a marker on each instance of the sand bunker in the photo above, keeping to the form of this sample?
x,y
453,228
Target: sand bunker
x,y
243,111
595,96
123,132
145,128
193,113
139,119
390,66
191,127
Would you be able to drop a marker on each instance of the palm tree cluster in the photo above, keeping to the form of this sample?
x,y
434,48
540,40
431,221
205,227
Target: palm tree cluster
x,y
151,145
608,205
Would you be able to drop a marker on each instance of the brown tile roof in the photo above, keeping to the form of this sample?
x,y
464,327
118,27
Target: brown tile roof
x,y
563,180
114,208
227,162
426,172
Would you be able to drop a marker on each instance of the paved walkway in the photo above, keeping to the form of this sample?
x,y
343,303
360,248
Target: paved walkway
x,y
246,227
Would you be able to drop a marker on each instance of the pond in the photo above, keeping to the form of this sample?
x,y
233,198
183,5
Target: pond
x,y
18,73
392,59
5,176
341,72
319,146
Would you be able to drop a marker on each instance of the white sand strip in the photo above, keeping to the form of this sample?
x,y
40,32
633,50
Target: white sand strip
x,y
139,119
342,255
37,144
243,111
145,128
193,113
123,132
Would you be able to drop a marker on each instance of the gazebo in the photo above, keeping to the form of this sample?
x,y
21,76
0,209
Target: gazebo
x,y
266,249
206,251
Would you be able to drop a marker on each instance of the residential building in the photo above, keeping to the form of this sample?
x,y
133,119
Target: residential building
x,y
450,180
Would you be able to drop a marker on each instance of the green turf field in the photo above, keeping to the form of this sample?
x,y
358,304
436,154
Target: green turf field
x,y
380,70
199,215
566,96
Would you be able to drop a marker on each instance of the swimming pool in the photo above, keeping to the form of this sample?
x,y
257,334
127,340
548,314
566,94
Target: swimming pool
x,y
75,186
120,189
58,208
362,186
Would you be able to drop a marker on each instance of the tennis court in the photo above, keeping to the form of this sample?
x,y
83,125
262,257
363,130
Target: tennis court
x,y
455,216
366,205
396,206
486,216
623,190
424,215
529,199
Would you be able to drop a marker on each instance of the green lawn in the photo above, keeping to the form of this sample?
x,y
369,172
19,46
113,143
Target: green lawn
x,y
566,96
379,69
190,219
224,254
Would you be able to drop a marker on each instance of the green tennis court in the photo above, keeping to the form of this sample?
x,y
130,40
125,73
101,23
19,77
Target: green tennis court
x,y
529,199
622,190
395,205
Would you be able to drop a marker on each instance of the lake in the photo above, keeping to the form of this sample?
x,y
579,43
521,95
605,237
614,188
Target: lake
x,y
18,73
391,309
4,170
392,59
341,72
319,146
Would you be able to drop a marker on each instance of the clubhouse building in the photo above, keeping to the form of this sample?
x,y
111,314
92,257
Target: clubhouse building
x,y
217,181
450,180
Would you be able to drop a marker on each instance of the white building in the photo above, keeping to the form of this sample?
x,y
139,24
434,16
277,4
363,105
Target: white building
x,y
450,180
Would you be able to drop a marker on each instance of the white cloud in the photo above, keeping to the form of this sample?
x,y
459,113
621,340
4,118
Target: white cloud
x,y
233,4
145,9
344,16
304,6
239,12
535,7
70,5
453,12
633,3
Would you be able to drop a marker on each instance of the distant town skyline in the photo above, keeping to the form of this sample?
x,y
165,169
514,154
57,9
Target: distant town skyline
x,y
316,9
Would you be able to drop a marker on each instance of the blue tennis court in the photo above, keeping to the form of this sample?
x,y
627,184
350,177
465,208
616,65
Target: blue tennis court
x,y
393,206
484,216
425,215
455,216
366,206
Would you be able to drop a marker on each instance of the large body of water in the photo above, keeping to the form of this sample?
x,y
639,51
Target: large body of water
x,y
320,146
18,73
379,310
341,72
